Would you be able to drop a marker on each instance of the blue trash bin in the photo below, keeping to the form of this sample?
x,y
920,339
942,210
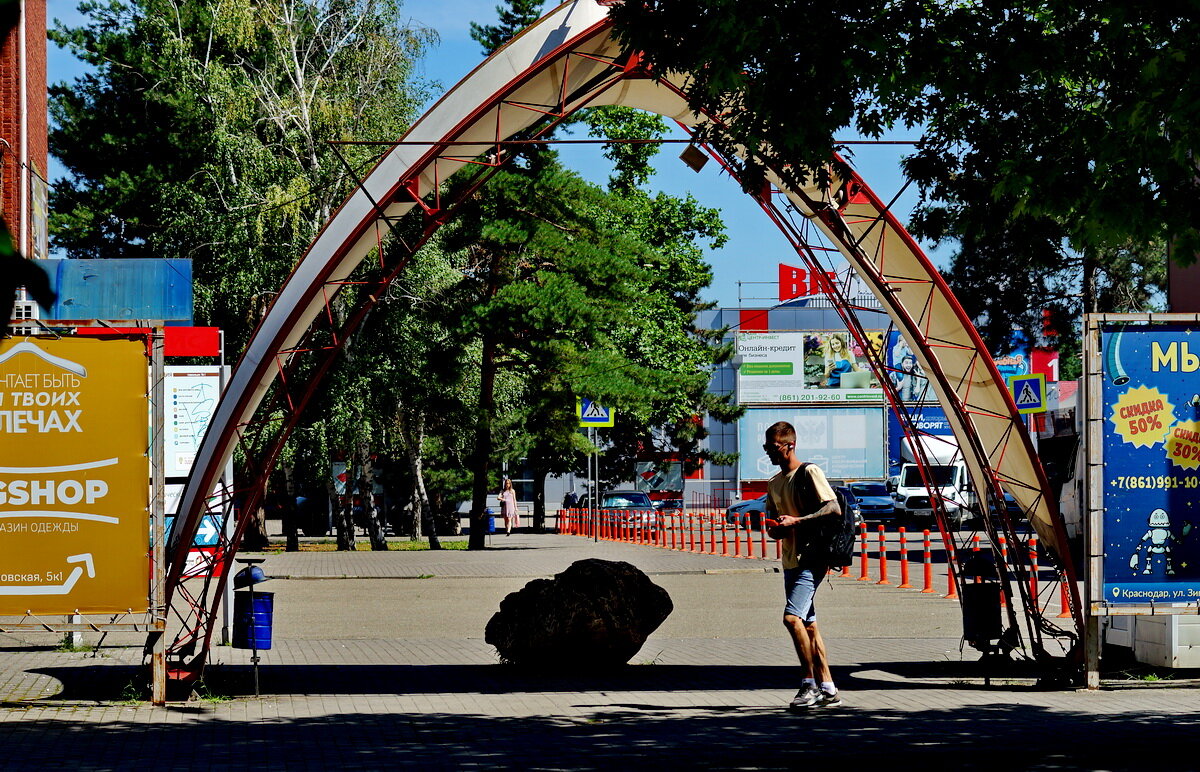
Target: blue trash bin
x,y
252,613
491,528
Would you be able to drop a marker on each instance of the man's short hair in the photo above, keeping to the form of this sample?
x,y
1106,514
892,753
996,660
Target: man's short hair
x,y
781,431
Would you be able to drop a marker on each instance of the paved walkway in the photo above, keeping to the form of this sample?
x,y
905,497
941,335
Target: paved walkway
x,y
379,662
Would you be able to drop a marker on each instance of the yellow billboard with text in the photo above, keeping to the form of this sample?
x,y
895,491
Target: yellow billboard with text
x,y
74,476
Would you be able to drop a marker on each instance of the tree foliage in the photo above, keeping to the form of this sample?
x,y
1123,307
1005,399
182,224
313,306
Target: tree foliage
x,y
1051,132
202,132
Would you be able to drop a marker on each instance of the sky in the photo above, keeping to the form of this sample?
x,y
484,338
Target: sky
x,y
745,270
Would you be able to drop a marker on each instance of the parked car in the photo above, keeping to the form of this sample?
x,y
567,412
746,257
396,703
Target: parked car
x,y
853,502
627,506
874,501
747,514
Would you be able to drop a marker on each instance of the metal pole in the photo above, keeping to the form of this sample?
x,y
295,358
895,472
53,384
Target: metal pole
x,y
158,656
1093,446
593,487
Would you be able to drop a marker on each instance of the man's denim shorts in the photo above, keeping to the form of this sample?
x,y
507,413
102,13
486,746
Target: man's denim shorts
x,y
800,588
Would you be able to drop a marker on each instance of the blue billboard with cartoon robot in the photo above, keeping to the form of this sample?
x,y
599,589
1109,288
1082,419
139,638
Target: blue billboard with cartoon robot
x,y
1150,396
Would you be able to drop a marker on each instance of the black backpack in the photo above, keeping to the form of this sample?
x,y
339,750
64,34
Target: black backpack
x,y
831,540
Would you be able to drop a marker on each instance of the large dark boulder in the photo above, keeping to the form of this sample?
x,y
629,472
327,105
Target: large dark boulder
x,y
597,613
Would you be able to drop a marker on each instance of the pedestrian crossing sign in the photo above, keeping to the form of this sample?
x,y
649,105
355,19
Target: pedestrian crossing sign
x,y
1029,392
593,414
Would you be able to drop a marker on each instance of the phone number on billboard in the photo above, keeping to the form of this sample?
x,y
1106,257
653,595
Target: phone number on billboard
x,y
1161,481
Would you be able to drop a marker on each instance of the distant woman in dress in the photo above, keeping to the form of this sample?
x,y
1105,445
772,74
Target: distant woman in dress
x,y
508,507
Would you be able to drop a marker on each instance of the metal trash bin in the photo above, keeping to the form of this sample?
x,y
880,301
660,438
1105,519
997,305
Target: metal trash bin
x,y
252,617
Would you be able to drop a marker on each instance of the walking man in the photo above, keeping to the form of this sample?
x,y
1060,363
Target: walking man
x,y
798,496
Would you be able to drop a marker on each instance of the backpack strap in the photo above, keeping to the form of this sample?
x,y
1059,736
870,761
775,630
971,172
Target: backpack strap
x,y
802,494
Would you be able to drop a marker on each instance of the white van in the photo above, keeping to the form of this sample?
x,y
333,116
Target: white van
x,y
949,481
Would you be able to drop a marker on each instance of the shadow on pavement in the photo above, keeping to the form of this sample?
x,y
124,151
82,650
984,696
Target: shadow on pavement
x,y
1002,735
106,683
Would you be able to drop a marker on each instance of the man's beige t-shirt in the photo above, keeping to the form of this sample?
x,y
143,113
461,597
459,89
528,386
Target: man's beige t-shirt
x,y
779,495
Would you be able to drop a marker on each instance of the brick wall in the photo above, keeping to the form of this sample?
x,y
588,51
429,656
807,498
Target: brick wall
x,y
11,118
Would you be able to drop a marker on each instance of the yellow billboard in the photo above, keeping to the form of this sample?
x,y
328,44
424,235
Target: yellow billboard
x,y
74,476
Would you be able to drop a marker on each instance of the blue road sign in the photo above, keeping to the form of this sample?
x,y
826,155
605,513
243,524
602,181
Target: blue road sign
x,y
1029,392
593,414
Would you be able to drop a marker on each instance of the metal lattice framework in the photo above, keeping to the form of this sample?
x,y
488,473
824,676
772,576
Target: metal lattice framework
x,y
566,61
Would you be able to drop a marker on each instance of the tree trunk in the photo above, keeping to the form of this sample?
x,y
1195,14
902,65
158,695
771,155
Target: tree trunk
x,y
1090,268
483,443
413,433
376,530
254,537
291,516
343,520
539,501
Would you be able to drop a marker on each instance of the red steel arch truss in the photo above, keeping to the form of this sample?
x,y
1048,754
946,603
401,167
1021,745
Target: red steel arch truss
x,y
527,89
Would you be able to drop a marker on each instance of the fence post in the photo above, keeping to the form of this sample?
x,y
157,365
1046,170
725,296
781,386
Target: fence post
x,y
883,574
928,588
904,585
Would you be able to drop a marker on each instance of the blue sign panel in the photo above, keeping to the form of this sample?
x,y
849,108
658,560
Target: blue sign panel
x,y
593,413
846,442
1151,471
207,535
929,419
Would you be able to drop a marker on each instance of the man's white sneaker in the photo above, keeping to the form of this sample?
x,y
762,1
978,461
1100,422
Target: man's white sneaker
x,y
806,698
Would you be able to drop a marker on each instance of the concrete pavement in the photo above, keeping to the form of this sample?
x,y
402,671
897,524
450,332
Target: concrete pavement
x,y
379,662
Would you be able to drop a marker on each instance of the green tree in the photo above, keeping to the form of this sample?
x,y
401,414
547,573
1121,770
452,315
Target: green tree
x,y
202,132
1051,132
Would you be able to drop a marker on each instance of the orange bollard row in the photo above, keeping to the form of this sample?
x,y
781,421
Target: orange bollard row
x,y
928,588
883,572
864,568
1033,571
904,585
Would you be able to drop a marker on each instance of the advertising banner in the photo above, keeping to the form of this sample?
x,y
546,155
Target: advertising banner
x,y
1150,475
818,366
74,476
846,442
192,394
928,419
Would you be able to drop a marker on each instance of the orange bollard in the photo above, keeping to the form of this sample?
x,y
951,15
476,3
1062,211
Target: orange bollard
x,y
975,548
904,585
1033,571
928,588
1003,559
749,543
691,534
863,557
762,538
883,575
1064,599
725,540
700,523
951,556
